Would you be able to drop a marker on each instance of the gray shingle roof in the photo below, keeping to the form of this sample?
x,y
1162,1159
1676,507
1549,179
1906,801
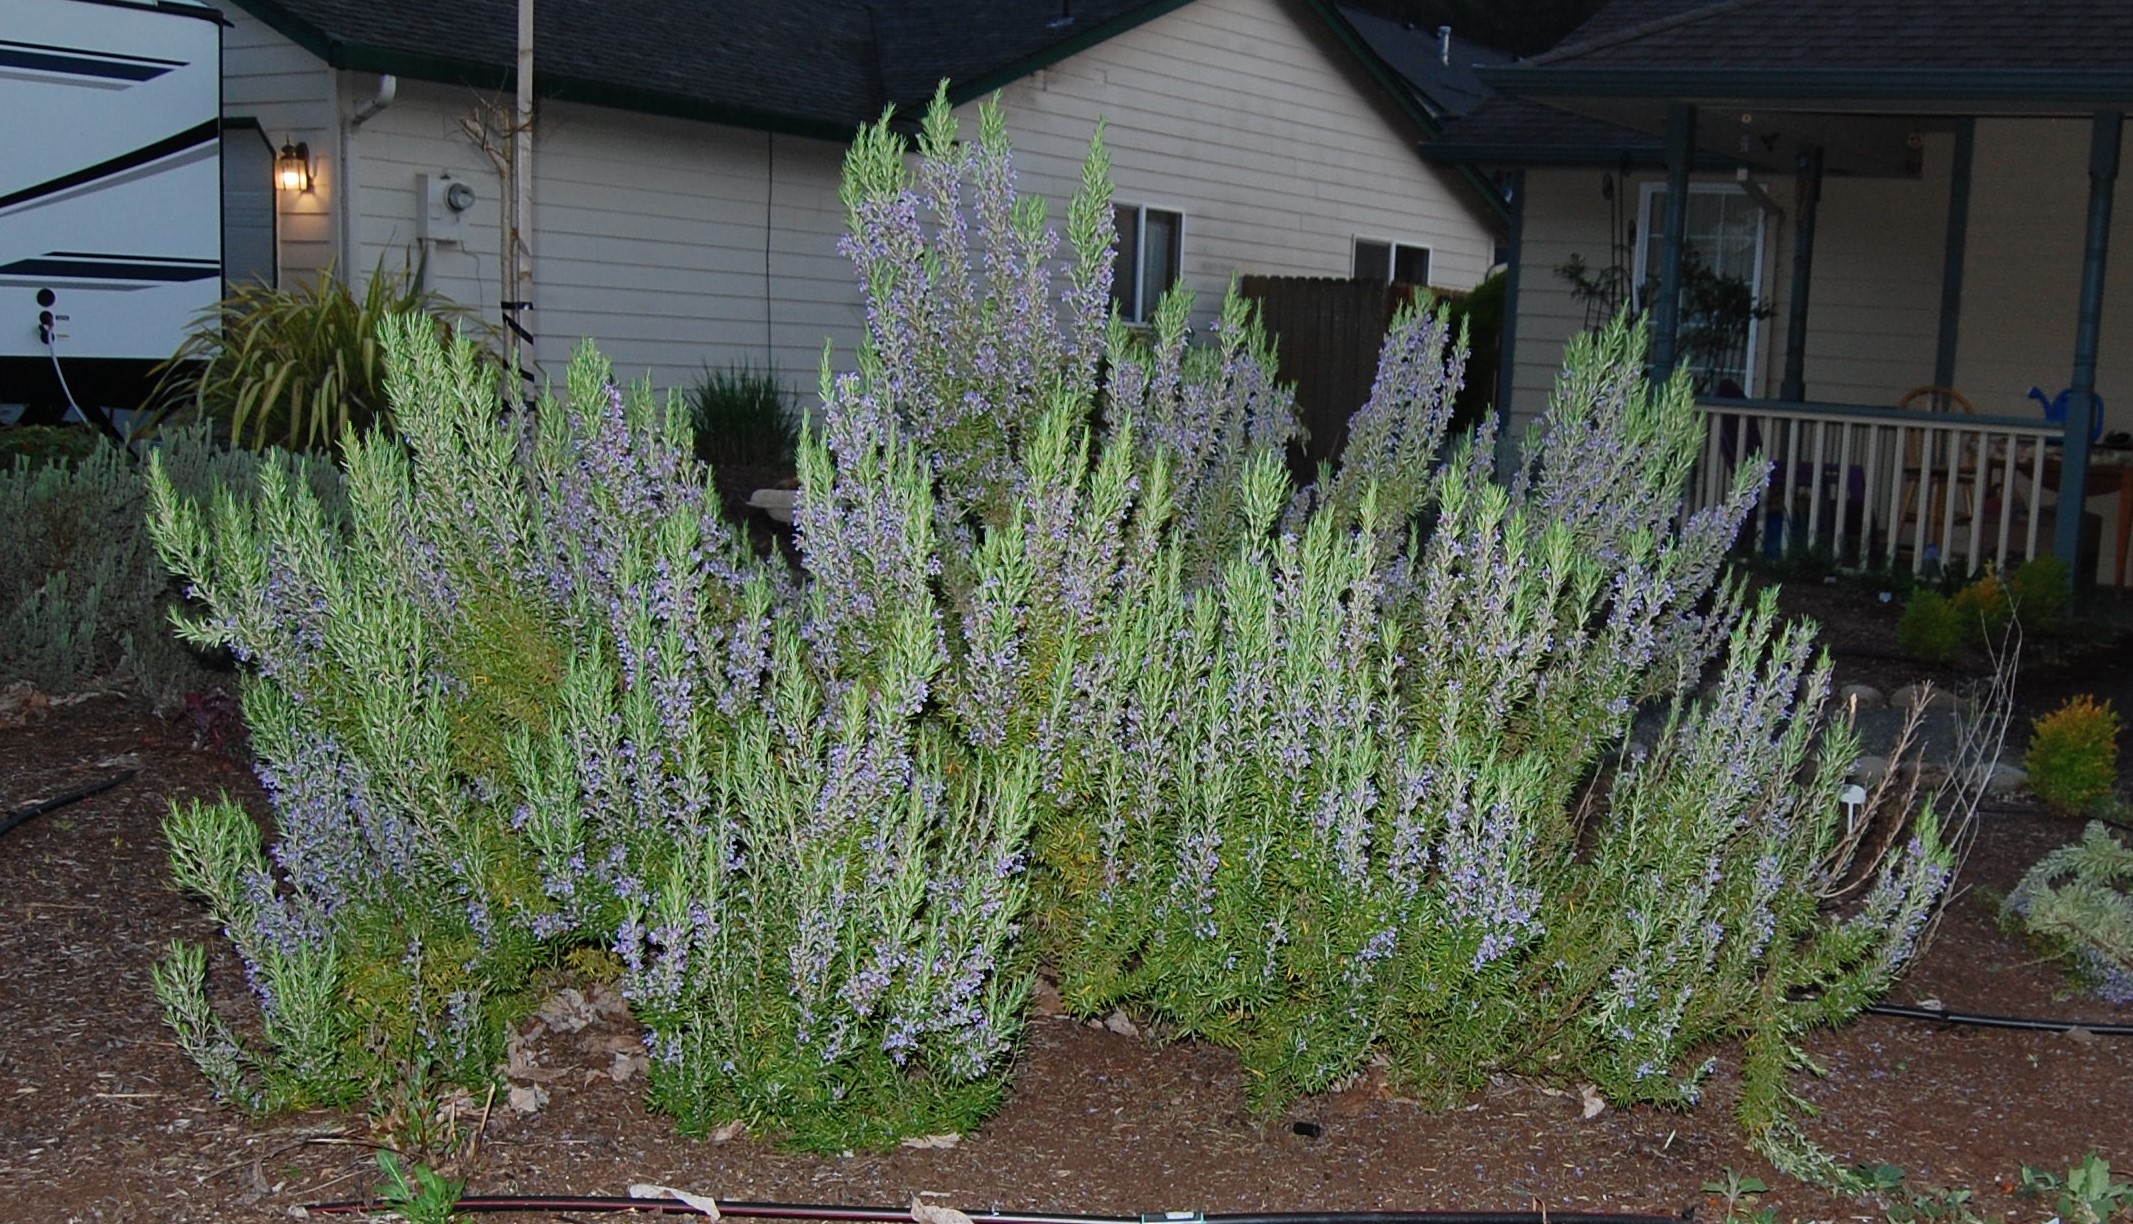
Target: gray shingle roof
x,y
1933,55
1766,34
825,65
1446,82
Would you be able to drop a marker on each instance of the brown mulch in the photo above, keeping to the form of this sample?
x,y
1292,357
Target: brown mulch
x,y
102,1119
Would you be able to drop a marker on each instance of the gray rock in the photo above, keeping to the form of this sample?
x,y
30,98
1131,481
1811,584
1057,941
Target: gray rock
x,y
1907,697
1870,770
2006,780
1862,697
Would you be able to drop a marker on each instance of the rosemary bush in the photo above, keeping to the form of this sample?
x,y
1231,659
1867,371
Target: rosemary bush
x,y
1316,773
2078,901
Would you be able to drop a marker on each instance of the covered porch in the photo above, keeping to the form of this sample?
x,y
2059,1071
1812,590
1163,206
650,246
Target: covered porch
x,y
1973,309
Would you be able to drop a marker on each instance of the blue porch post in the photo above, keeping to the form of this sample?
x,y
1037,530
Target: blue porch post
x,y
1794,385
1666,318
1952,256
2105,131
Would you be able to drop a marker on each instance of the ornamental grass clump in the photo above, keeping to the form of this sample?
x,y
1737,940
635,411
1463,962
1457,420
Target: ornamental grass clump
x,y
1068,669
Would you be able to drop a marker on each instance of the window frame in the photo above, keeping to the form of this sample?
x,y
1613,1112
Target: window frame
x,y
1137,308
1393,247
1650,232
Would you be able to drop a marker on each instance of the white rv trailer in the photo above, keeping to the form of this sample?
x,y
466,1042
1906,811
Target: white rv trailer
x,y
110,177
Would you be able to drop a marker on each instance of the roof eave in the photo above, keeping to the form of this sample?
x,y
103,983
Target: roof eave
x,y
448,70
1511,153
1074,44
2092,86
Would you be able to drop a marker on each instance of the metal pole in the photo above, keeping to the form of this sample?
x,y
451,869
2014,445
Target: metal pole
x,y
1794,385
2105,131
518,291
1680,151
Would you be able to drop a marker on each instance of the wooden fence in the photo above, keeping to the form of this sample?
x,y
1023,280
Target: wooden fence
x,y
1328,333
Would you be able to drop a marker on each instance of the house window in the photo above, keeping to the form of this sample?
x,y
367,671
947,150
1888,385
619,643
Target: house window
x,y
1150,244
1398,262
1721,280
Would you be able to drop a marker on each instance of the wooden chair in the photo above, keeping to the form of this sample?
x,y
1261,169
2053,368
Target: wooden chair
x,y
1926,467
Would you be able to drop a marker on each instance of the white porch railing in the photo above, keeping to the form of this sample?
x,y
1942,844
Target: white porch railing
x,y
1875,486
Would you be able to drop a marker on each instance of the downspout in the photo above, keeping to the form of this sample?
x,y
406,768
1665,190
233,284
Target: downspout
x,y
346,206
2105,132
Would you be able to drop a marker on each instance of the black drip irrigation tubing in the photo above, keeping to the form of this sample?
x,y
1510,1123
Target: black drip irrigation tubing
x,y
476,1204
53,804
1943,1016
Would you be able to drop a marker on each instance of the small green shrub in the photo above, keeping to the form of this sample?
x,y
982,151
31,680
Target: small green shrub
x,y
1931,628
293,368
742,415
1983,607
2073,754
2040,590
2076,901
2086,1195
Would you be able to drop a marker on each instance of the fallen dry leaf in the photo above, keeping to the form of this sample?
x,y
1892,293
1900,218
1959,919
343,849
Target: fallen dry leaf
x,y
933,1141
627,1065
923,1212
701,1202
528,1098
1595,1104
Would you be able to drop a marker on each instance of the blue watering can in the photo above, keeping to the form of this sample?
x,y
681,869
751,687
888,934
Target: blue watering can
x,y
2055,409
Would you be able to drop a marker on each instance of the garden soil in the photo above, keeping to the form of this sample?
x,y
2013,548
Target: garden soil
x,y
101,1118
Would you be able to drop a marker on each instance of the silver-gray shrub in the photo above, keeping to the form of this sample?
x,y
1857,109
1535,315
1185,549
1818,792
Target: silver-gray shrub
x,y
87,602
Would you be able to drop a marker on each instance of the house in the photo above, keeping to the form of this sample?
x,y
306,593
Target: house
x,y
1917,193
686,155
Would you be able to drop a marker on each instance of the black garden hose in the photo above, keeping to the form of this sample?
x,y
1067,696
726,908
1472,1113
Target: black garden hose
x,y
25,814
1941,1015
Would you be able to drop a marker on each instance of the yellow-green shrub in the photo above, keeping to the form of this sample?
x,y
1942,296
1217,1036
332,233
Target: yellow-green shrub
x,y
2073,753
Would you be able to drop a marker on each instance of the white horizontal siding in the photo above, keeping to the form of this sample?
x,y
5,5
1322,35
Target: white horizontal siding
x,y
291,93
1565,215
652,236
677,244
2022,281
1243,116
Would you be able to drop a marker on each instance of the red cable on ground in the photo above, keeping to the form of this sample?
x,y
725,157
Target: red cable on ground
x,y
495,1203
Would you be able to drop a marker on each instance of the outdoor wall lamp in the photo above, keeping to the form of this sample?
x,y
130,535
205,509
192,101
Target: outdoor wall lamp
x,y
292,166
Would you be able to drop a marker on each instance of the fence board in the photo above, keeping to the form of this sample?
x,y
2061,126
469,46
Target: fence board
x,y
1327,334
